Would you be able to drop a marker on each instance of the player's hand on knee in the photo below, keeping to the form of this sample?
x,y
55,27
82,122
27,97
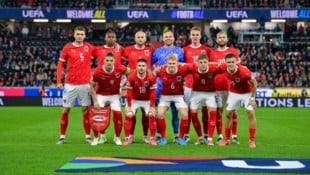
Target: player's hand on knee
x,y
152,111
252,103
96,105
128,111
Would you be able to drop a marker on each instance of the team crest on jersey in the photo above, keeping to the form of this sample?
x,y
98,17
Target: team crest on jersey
x,y
111,81
237,80
210,75
117,75
179,78
202,52
146,52
146,83
86,48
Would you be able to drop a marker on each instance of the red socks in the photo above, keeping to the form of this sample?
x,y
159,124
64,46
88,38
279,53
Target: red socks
x,y
205,116
162,127
183,127
219,123
86,124
128,125
63,123
196,123
234,124
212,122
117,119
152,125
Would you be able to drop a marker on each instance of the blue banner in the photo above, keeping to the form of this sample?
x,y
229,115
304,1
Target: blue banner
x,y
178,14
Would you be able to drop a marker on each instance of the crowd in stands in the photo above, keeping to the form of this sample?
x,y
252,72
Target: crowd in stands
x,y
30,59
156,4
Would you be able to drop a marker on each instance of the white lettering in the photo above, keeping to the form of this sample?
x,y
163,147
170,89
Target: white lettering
x,y
185,14
236,14
284,13
33,14
281,165
51,101
1,93
303,102
137,14
80,14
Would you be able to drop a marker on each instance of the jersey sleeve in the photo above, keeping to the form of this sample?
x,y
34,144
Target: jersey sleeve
x,y
64,54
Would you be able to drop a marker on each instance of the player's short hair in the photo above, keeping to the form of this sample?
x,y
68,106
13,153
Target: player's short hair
x,y
79,28
167,31
140,31
221,32
230,55
109,54
142,60
202,57
110,32
172,57
196,29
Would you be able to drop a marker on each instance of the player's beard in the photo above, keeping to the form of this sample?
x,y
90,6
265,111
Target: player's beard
x,y
222,45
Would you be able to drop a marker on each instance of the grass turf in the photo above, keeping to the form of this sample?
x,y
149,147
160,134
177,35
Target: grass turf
x,y
29,135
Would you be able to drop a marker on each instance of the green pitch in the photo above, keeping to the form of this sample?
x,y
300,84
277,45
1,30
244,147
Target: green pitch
x,y
29,134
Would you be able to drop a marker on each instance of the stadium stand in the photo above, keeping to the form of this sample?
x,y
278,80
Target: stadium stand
x,y
31,60
29,54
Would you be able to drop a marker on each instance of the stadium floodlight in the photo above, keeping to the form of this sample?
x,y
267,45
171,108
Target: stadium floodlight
x,y
63,20
98,20
278,20
248,20
220,21
40,20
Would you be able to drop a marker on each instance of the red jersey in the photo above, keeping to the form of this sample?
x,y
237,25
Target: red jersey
x,y
173,83
219,55
78,60
239,81
141,87
205,82
191,54
132,54
101,51
108,83
221,82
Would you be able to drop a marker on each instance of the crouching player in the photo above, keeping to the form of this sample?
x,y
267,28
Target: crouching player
x,y
141,86
242,88
204,93
104,89
172,75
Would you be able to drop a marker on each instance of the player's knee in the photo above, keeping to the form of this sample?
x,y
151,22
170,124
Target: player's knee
x,y
129,114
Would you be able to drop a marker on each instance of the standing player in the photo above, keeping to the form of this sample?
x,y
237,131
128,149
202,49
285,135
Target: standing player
x,y
132,54
104,89
172,75
110,46
242,88
204,93
141,94
222,84
191,53
159,58
77,56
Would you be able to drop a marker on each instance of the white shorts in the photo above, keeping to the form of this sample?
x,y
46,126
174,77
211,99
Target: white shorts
x,y
235,100
166,100
187,95
112,100
221,98
144,104
200,98
73,92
